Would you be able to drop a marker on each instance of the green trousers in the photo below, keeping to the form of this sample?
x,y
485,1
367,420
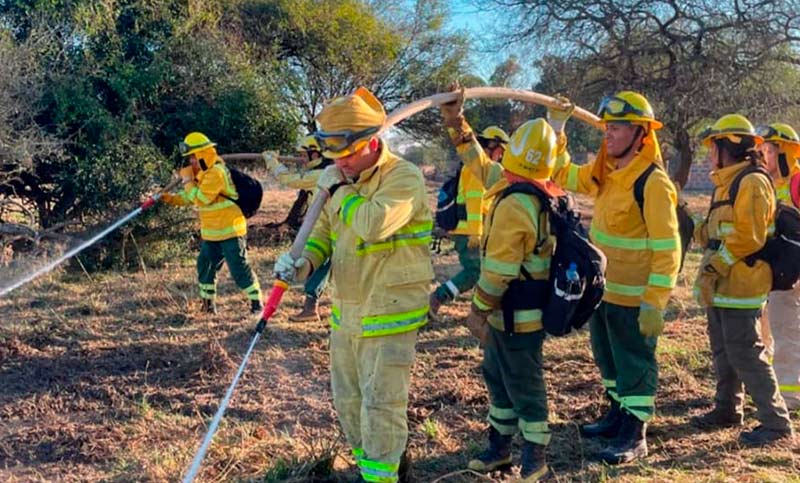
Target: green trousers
x,y
740,357
626,358
514,374
370,378
232,251
470,260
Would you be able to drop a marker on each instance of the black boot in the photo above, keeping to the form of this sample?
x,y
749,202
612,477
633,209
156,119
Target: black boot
x,y
718,418
607,426
630,443
533,462
762,436
256,307
209,306
404,470
498,453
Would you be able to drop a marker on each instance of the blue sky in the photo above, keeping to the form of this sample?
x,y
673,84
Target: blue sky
x,y
466,16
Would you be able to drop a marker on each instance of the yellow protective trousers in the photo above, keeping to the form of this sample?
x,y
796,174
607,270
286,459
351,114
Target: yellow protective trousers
x,y
370,378
783,308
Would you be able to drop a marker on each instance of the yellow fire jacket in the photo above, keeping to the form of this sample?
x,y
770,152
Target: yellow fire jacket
x,y
220,218
377,233
470,194
642,246
782,184
517,235
513,229
742,229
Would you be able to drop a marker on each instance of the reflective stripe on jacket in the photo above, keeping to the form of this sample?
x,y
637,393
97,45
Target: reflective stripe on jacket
x,y
220,217
470,194
742,229
377,233
512,231
516,236
642,246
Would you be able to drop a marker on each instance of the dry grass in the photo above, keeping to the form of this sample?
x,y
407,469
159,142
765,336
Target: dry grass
x,y
115,379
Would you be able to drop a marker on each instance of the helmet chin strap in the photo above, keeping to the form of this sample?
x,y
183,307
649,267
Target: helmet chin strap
x,y
639,130
783,165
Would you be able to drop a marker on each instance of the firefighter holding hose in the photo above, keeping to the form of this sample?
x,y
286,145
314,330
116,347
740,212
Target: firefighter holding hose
x,y
375,229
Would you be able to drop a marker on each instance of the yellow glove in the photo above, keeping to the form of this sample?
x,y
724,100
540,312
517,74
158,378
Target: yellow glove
x,y
716,264
700,231
273,165
651,321
291,270
187,174
330,179
704,288
474,241
558,116
477,324
169,198
453,112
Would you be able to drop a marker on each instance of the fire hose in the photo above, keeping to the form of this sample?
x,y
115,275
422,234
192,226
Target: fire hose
x,y
74,251
280,286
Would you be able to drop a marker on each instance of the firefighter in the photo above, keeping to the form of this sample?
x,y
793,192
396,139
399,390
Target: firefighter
x,y
466,236
223,228
306,182
517,241
781,150
733,291
643,251
376,230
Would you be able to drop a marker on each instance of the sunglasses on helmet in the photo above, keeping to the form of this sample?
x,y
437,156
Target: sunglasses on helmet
x,y
770,132
615,106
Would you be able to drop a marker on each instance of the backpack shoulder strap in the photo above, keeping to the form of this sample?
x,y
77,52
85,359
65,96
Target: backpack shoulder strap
x,y
530,189
733,192
526,188
638,186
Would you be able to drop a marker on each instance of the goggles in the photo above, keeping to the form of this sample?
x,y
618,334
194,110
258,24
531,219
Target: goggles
x,y
338,141
186,149
614,106
768,132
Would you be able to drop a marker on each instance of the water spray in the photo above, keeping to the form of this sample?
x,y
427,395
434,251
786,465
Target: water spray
x,y
74,251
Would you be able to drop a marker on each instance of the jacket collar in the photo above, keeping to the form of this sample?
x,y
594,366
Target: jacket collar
x,y
383,158
628,175
724,176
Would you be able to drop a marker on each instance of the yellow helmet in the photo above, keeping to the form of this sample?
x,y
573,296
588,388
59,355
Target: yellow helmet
x,y
531,151
627,106
308,143
783,135
348,123
494,133
733,127
193,143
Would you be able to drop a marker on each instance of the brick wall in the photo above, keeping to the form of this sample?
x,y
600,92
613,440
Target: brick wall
x,y
698,177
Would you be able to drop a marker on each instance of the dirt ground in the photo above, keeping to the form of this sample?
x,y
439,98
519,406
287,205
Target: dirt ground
x,y
114,378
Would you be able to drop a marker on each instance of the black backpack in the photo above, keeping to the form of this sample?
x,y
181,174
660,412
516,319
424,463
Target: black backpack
x,y
782,250
565,304
249,190
685,222
448,211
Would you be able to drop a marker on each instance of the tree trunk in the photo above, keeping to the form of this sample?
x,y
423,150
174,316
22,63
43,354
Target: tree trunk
x,y
683,144
298,210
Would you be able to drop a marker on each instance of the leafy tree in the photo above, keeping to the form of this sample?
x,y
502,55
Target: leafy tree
x,y
327,48
694,60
